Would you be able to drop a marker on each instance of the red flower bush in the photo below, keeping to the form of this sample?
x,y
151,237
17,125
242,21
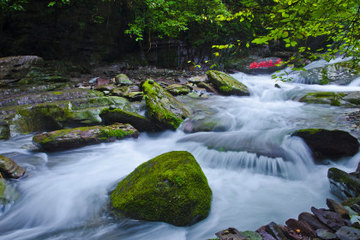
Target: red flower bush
x,y
265,64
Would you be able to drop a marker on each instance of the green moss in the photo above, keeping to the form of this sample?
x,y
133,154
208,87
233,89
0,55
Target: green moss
x,y
310,130
108,132
170,188
162,106
2,188
227,84
57,93
331,98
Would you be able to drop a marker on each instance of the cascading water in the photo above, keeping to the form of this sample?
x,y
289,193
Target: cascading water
x,y
257,172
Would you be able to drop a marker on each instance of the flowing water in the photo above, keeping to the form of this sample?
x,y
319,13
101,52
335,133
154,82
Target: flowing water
x,y
258,173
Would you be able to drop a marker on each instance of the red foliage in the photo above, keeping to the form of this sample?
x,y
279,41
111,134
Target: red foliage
x,y
265,64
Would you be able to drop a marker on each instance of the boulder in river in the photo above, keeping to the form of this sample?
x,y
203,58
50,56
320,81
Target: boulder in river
x,y
9,169
170,188
162,107
82,136
331,144
118,115
4,130
343,184
226,84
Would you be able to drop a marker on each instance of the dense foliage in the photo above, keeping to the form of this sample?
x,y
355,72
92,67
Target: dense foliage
x,y
105,29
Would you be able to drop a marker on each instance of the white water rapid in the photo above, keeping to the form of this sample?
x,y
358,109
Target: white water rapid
x,y
257,172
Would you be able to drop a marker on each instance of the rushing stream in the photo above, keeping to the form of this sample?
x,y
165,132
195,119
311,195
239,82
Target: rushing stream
x,y
257,172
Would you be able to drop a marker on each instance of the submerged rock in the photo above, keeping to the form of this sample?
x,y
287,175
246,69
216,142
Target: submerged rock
x,y
332,144
9,169
117,115
162,107
171,188
226,84
4,130
2,189
78,137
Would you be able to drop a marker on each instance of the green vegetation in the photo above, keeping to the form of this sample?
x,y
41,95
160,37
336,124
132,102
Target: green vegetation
x,y
170,188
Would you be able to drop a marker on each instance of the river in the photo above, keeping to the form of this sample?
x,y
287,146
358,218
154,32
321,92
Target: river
x,y
257,172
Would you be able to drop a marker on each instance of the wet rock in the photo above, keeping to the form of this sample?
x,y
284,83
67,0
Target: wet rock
x,y
331,219
348,233
9,169
252,235
178,89
141,123
345,99
105,87
100,82
79,137
2,189
17,66
162,107
44,75
197,79
338,208
4,130
312,221
342,184
325,234
123,79
226,84
275,231
332,144
208,87
340,73
301,227
231,234
170,188
264,234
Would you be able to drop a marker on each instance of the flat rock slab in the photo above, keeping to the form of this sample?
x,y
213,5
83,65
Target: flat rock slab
x,y
79,137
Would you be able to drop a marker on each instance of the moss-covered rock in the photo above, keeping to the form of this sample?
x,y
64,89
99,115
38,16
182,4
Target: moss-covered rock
x,y
342,184
42,117
226,84
171,188
118,115
9,169
123,79
4,130
162,107
78,137
16,67
331,98
331,144
178,89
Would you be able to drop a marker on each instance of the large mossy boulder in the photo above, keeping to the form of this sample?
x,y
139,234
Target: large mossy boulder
x,y
9,169
170,188
162,107
226,84
82,136
332,144
118,115
343,184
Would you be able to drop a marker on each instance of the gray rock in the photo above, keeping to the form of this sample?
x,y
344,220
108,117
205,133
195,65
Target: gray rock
x,y
4,130
17,66
342,184
123,79
348,233
325,143
9,169
325,234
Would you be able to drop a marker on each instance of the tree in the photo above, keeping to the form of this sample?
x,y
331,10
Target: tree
x,y
297,21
